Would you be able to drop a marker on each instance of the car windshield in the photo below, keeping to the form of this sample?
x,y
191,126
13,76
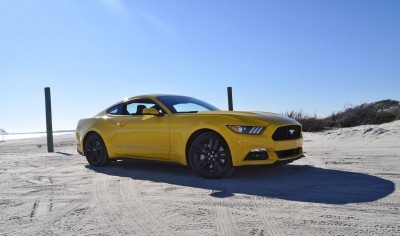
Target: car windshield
x,y
182,104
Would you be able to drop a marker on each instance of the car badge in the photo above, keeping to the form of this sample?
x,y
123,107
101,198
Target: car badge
x,y
291,131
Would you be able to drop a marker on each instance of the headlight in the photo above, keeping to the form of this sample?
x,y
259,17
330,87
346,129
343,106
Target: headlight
x,y
246,129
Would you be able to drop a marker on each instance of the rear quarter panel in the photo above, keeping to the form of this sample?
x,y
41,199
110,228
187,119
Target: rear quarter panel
x,y
104,126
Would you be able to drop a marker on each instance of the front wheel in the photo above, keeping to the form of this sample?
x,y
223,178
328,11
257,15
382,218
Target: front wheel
x,y
96,151
210,157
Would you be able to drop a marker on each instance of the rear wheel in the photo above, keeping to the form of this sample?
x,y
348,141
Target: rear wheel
x,y
96,151
210,157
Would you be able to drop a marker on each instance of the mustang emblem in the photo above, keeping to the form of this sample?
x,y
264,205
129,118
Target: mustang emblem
x,y
291,131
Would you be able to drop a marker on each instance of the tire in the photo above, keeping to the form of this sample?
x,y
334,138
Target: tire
x,y
96,151
210,157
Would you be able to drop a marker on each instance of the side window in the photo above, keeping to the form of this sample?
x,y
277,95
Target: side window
x,y
189,107
115,110
136,106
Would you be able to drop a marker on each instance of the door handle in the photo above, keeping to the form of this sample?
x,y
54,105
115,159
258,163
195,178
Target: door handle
x,y
120,124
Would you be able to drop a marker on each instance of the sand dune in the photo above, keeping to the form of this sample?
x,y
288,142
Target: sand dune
x,y
384,135
346,185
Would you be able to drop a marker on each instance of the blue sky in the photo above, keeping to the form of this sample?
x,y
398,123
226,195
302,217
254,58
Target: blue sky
x,y
313,55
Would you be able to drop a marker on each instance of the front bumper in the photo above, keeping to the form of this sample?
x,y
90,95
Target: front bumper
x,y
277,151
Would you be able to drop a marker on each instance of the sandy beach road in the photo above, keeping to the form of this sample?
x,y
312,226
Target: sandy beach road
x,y
336,190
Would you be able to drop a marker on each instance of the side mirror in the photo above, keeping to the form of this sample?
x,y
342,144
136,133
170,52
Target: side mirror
x,y
150,111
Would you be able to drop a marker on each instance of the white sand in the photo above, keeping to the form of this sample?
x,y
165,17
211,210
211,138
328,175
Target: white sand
x,y
345,186
8,137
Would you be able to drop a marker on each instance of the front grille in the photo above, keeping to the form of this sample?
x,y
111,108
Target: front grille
x,y
288,132
287,153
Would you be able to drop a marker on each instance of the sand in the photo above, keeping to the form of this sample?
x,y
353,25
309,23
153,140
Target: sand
x,y
346,185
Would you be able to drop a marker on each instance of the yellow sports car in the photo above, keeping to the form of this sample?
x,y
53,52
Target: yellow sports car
x,y
188,131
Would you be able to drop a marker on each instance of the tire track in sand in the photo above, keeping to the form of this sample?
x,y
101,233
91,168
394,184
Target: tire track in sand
x,y
271,225
104,199
121,206
42,215
141,211
225,222
50,219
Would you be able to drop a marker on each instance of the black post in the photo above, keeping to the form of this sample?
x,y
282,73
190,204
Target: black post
x,y
230,103
49,125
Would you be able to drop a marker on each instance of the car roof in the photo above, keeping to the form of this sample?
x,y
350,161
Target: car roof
x,y
151,96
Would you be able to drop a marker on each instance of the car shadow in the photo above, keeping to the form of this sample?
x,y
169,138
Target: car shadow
x,y
302,183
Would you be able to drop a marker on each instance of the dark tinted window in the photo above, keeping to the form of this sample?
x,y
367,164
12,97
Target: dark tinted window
x,y
182,104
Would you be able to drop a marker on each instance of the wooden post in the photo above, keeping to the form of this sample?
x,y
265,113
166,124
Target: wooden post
x,y
49,124
230,102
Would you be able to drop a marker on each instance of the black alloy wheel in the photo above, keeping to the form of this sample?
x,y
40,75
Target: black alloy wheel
x,y
210,157
95,151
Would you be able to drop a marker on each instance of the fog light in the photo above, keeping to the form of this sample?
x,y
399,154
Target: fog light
x,y
257,154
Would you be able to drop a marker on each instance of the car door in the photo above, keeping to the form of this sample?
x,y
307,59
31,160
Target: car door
x,y
145,136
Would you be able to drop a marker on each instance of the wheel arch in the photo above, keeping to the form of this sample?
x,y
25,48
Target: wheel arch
x,y
86,136
193,136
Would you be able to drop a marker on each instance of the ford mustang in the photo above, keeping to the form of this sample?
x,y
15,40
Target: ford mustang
x,y
188,131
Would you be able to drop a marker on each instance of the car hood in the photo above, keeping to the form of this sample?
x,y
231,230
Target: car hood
x,y
267,117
